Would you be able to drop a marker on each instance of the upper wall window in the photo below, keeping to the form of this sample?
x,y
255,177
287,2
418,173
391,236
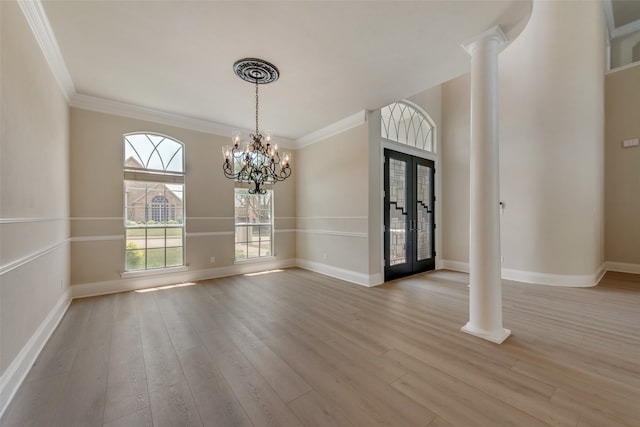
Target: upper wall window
x,y
154,201
408,124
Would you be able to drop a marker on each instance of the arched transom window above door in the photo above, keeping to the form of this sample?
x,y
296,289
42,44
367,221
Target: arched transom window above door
x,y
406,123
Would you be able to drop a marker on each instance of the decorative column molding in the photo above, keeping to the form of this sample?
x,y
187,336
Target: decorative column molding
x,y
485,291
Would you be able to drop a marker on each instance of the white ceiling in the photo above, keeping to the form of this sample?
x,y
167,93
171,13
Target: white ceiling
x,y
335,57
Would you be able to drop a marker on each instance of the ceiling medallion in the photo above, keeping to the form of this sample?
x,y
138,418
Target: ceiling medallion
x,y
255,70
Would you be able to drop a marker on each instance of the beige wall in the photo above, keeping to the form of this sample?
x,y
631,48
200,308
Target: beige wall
x,y
622,169
551,149
34,203
97,225
332,188
454,154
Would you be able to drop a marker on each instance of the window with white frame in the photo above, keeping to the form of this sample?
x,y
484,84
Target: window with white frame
x,y
408,124
254,224
154,201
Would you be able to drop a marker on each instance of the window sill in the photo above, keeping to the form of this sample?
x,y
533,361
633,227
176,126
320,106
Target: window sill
x,y
154,272
254,260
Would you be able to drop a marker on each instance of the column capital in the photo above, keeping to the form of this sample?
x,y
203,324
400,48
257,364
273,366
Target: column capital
x,y
494,34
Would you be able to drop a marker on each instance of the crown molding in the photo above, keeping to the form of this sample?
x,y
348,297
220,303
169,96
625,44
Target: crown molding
x,y
117,108
108,106
340,126
39,24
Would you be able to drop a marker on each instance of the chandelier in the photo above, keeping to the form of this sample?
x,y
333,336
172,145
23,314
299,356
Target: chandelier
x,y
257,160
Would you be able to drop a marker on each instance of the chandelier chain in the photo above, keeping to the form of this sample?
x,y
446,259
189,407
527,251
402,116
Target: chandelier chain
x,y
257,107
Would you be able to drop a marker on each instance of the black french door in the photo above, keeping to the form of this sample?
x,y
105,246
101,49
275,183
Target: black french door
x,y
409,227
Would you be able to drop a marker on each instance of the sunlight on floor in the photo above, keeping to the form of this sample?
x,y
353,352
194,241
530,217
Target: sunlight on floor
x,y
260,273
162,288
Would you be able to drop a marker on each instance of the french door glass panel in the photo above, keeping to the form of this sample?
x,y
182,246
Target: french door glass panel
x,y
398,211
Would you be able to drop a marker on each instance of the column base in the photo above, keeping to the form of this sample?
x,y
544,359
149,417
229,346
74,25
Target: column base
x,y
497,336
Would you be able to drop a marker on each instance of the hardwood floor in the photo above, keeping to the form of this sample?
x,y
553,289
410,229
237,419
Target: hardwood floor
x,y
294,348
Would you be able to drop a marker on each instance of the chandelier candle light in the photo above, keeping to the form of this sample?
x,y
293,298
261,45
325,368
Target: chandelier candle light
x,y
257,160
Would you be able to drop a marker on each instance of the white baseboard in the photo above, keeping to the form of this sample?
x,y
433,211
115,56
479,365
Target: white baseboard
x,y
498,336
623,267
17,371
141,282
454,265
569,280
362,279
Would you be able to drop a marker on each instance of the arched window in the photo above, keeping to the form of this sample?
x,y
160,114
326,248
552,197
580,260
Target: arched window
x,y
160,209
408,124
154,208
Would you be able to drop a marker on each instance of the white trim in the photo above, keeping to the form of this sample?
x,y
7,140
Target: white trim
x,y
335,233
17,371
336,128
623,267
362,279
622,31
10,266
569,280
622,68
97,218
153,272
227,233
625,30
96,238
135,283
210,233
408,149
108,106
460,266
206,218
496,337
330,217
29,220
39,24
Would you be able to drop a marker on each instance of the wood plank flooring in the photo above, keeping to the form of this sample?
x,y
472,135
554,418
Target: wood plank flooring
x,y
294,348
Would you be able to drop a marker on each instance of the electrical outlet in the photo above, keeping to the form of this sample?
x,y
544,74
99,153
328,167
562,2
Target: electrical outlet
x,y
213,260
324,256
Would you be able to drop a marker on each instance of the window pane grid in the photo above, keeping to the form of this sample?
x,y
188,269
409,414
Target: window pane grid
x,y
404,123
154,210
253,224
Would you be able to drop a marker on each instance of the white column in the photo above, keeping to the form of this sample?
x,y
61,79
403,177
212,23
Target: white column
x,y
485,291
